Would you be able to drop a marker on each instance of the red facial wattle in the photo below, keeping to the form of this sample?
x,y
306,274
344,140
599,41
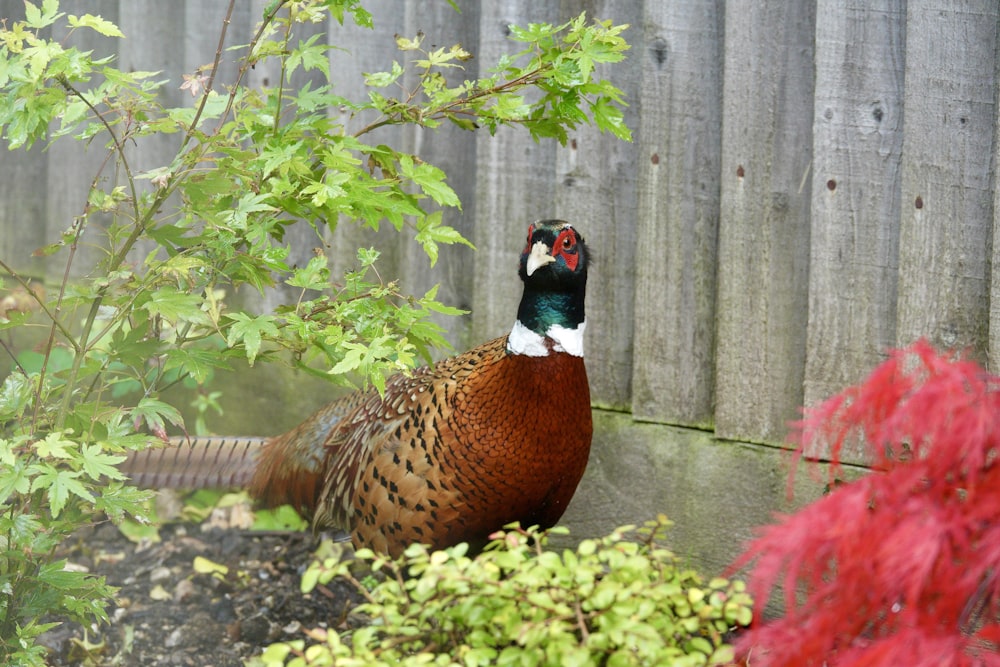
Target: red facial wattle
x,y
565,247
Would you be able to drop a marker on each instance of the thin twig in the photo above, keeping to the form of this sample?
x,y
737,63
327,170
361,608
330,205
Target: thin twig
x,y
268,17
13,358
142,221
438,114
581,622
211,80
281,80
9,270
119,143
116,261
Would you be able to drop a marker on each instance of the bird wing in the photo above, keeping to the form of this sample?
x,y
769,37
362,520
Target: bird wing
x,y
391,480
291,467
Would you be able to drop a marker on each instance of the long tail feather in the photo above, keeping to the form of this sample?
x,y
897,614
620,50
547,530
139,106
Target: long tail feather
x,y
197,463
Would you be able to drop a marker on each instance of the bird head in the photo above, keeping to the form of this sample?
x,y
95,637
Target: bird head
x,y
555,257
554,270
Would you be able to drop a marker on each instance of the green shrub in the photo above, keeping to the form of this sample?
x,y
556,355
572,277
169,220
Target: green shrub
x,y
175,241
610,601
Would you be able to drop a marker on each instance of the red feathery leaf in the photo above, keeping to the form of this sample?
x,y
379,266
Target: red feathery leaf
x,y
901,567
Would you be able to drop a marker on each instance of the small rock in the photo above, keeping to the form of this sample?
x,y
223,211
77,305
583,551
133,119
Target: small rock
x,y
184,589
169,505
174,639
255,629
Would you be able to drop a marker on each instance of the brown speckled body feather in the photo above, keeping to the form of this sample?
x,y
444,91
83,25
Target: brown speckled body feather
x,y
451,452
458,450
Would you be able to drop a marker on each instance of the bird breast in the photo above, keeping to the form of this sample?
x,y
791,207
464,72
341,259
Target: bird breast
x,y
485,441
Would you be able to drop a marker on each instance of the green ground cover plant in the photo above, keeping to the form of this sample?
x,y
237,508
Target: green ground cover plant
x,y
624,599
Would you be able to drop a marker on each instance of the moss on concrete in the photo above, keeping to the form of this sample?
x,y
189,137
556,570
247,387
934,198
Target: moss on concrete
x,y
714,491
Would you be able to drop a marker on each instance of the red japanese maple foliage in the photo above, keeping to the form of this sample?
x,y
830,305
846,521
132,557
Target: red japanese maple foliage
x,y
901,567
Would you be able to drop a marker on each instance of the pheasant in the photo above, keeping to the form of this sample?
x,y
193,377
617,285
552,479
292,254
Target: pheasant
x,y
451,452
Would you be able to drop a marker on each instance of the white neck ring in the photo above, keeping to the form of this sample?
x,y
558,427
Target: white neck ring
x,y
523,340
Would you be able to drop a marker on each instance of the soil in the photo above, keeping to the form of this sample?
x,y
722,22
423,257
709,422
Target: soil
x,y
166,613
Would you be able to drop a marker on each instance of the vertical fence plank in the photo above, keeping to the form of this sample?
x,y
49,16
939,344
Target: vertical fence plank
x,y
514,182
764,220
595,188
358,51
22,210
679,161
302,240
199,40
993,353
947,201
66,190
453,150
993,356
150,44
857,149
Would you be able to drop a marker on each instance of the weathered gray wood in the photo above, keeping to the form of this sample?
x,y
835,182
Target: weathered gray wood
x,y
679,135
453,150
150,44
595,188
716,492
22,211
515,182
200,39
993,352
947,201
765,257
764,224
359,51
857,149
66,189
300,238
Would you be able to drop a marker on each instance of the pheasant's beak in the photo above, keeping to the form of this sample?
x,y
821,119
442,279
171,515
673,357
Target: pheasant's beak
x,y
539,257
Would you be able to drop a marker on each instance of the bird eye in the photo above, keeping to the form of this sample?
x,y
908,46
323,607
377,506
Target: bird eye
x,y
566,241
565,247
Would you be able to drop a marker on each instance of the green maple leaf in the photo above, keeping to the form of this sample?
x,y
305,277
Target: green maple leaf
x,y
175,306
54,446
430,232
155,413
97,464
58,485
251,331
103,26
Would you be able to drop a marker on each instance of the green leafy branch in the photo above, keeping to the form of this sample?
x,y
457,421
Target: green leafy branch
x,y
175,243
560,63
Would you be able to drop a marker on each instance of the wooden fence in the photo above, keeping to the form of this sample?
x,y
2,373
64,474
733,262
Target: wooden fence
x,y
810,184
